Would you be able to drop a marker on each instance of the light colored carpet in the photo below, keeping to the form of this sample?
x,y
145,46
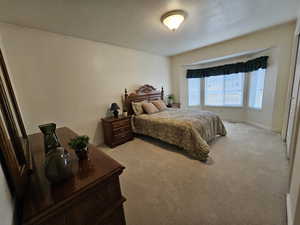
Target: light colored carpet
x,y
244,182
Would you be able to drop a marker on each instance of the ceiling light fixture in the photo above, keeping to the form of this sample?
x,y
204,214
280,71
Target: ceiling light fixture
x,y
173,19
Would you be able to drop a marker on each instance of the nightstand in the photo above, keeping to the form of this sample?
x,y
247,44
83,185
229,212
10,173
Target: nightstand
x,y
117,130
174,105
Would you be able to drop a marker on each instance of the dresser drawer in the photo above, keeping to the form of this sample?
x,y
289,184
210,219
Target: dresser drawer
x,y
90,207
116,218
61,219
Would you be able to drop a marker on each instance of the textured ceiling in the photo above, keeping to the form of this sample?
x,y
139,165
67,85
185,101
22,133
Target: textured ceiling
x,y
136,23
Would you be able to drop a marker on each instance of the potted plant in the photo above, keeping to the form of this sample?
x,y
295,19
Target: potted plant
x,y
80,145
170,100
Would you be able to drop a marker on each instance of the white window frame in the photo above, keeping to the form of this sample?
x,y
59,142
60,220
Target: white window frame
x,y
200,94
225,106
248,93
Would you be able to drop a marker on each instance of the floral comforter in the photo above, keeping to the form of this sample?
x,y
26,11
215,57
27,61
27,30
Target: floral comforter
x,y
189,129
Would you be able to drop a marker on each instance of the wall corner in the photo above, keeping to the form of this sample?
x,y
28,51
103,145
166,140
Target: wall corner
x,y
297,31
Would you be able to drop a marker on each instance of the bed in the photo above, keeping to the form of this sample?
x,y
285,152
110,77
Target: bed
x,y
191,130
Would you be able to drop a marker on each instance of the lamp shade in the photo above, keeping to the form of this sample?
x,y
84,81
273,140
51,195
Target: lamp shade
x,y
173,19
114,106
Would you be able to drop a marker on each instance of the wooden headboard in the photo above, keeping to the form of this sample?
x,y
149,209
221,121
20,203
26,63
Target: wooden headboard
x,y
145,92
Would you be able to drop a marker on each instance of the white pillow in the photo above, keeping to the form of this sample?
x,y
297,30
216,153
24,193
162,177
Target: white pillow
x,y
138,107
159,104
149,108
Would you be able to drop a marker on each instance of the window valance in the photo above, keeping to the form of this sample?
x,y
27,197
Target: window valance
x,y
249,66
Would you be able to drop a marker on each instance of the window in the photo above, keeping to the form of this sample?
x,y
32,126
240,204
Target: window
x,y
194,91
256,88
224,90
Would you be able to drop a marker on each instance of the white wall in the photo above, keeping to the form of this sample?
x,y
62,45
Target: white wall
x,y
264,117
298,24
279,39
72,81
293,203
295,184
6,201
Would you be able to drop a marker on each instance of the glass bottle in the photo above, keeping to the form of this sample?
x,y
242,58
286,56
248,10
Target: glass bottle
x,y
58,165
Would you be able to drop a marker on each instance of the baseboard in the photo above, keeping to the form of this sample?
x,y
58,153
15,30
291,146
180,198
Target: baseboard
x,y
288,209
233,121
258,125
249,123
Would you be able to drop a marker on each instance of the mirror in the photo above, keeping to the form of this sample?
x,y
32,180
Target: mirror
x,y
14,151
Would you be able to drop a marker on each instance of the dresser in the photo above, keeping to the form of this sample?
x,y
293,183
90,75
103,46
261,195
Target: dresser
x,y
117,130
91,197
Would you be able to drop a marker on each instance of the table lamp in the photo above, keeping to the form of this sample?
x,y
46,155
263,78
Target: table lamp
x,y
114,107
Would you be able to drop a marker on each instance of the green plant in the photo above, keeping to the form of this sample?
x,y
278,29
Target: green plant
x,y
171,97
79,142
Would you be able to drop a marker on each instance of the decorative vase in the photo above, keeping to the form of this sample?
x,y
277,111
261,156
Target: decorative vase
x,y
170,101
58,166
82,153
50,138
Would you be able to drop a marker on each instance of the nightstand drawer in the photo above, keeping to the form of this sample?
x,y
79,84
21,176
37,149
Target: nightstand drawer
x,y
123,129
117,130
174,105
121,123
122,139
121,135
